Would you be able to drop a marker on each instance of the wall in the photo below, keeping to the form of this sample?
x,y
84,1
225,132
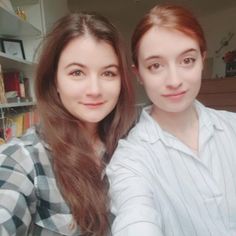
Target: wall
x,y
217,26
53,10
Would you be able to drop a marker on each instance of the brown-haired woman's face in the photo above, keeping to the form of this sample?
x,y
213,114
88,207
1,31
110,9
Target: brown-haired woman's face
x,y
88,79
170,67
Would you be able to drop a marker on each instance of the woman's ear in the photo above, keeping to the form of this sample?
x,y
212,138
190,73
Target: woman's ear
x,y
136,73
203,59
56,85
204,54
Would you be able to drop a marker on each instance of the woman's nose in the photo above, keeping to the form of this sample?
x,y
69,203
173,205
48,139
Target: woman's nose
x,y
174,79
93,87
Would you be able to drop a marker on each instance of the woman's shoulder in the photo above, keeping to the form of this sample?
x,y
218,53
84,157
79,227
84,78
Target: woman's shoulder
x,y
23,152
137,143
27,160
145,131
30,137
216,117
223,116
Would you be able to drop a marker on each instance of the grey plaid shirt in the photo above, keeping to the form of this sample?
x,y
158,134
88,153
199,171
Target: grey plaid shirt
x,y
30,201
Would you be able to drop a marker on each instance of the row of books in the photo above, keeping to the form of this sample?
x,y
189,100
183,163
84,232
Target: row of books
x,y
16,125
14,85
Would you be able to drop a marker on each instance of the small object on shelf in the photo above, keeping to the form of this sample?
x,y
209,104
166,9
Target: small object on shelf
x,y
229,56
230,69
2,141
21,13
9,129
11,94
230,61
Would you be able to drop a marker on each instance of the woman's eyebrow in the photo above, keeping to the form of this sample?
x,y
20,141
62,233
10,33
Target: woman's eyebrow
x,y
158,56
75,64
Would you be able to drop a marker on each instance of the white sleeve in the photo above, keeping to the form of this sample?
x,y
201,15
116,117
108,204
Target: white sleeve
x,y
132,199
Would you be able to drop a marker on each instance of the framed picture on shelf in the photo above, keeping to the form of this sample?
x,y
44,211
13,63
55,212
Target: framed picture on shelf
x,y
13,47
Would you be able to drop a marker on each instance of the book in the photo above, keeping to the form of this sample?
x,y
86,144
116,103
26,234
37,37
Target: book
x,y
12,81
27,122
22,85
35,119
18,124
27,88
2,88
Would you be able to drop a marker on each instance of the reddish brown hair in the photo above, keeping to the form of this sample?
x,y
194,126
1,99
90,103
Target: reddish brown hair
x,y
78,176
172,17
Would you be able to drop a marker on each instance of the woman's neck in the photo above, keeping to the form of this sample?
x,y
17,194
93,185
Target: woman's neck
x,y
96,143
183,125
175,121
91,129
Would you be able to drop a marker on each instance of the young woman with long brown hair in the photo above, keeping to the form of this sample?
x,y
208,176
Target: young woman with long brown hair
x,y
52,179
174,174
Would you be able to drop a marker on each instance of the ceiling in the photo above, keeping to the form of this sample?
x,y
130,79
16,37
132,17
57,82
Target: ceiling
x,y
125,13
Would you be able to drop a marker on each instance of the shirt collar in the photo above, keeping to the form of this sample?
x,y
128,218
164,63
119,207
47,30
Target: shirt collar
x,y
207,117
151,131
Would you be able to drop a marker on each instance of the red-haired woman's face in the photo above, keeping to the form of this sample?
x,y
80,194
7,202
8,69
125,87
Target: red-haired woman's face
x,y
170,68
88,79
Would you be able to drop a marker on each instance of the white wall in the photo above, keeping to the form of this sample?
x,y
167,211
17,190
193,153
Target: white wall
x,y
216,27
53,10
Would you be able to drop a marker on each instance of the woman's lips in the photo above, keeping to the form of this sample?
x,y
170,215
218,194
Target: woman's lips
x,y
175,95
93,104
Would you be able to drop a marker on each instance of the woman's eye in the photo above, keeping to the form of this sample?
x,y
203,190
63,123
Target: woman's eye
x,y
76,73
188,61
154,67
109,74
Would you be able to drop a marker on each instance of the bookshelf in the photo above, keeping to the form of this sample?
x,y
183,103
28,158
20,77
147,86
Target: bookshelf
x,y
20,111
16,118
40,16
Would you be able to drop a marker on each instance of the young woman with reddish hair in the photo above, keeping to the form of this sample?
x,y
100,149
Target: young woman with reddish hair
x,y
174,174
52,179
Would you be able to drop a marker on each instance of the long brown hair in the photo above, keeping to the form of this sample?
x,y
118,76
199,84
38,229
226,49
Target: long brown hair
x,y
78,176
169,16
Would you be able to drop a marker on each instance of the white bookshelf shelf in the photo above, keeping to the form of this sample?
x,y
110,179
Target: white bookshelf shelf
x,y
12,25
17,104
9,62
24,2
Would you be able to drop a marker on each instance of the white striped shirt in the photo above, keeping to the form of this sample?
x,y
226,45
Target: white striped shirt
x,y
159,186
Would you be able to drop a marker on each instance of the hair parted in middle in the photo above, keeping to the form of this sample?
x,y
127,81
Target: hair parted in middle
x,y
172,17
79,177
